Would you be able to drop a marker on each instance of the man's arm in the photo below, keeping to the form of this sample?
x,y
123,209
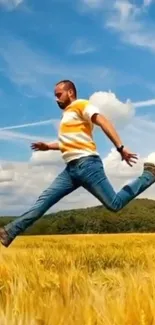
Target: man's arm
x,y
92,113
107,128
53,146
43,146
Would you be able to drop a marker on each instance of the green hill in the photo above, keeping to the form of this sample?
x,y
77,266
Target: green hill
x,y
138,216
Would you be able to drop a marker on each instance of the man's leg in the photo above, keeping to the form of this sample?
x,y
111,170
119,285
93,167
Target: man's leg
x,y
93,178
60,187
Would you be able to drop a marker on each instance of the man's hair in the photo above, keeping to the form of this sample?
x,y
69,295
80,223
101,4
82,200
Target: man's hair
x,y
69,84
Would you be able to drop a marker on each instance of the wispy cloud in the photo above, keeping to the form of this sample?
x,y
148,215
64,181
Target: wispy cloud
x,y
81,46
93,3
147,3
17,136
35,72
10,4
25,67
138,135
54,122
127,19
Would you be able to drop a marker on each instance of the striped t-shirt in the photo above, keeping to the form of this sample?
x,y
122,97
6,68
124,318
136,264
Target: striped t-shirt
x,y
75,131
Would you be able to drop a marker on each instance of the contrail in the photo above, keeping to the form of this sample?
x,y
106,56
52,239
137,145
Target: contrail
x,y
27,125
149,102
146,103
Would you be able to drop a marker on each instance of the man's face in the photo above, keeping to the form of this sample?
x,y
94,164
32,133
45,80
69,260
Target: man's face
x,y
62,95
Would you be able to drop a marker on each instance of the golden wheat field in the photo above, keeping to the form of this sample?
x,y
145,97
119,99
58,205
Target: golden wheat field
x,y
78,280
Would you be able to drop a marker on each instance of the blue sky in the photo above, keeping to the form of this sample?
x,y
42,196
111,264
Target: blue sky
x,y
101,45
84,41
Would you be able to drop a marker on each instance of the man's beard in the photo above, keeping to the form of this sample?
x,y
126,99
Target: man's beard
x,y
63,105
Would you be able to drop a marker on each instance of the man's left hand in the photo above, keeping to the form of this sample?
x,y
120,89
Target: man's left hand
x,y
129,157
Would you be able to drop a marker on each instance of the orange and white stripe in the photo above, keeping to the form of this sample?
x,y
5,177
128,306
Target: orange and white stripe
x,y
75,132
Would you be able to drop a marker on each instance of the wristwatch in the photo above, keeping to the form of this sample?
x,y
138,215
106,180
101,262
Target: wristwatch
x,y
119,149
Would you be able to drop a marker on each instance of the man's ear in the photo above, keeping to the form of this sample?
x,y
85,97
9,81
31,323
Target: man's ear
x,y
70,92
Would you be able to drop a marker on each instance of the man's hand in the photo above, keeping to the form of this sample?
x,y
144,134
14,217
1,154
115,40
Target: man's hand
x,y
42,146
129,157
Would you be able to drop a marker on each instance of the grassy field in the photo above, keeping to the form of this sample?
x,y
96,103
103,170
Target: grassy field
x,y
84,280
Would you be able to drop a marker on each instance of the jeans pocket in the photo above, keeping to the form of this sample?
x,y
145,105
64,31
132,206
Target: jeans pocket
x,y
89,162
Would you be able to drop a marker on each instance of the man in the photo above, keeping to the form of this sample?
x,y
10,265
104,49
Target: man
x,y
83,163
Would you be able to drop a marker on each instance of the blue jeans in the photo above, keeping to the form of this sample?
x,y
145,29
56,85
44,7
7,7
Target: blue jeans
x,y
89,173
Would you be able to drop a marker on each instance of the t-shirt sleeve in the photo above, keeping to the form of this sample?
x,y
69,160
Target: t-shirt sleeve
x,y
89,111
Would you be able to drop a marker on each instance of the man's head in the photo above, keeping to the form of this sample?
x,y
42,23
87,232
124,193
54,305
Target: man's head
x,y
65,93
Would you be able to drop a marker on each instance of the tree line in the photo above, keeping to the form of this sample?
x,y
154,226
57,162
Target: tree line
x,y
137,216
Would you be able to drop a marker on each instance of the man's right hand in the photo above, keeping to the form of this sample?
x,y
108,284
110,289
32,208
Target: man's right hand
x,y
42,146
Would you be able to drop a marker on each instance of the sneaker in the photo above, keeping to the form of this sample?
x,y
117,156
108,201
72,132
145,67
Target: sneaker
x,y
150,167
4,237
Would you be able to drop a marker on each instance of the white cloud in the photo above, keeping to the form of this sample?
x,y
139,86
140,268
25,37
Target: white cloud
x,y
116,111
81,47
151,157
45,158
5,175
10,4
28,180
114,163
23,182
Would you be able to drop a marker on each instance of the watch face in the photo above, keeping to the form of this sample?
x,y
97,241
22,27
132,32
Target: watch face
x,y
120,148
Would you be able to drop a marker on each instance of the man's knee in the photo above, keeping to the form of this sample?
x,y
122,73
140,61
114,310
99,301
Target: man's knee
x,y
114,207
